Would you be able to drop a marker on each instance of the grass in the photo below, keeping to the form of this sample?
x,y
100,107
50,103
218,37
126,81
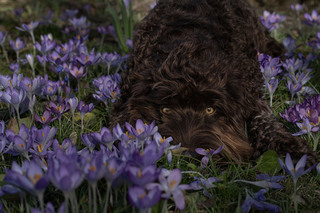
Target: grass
x,y
227,196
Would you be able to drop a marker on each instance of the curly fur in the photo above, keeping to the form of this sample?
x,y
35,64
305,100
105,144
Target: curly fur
x,y
189,55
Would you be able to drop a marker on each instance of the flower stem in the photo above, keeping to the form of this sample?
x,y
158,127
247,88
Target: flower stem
x,y
105,209
90,198
59,125
40,198
18,114
5,53
294,196
94,191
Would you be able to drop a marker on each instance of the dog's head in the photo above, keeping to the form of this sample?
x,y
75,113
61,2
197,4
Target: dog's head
x,y
194,98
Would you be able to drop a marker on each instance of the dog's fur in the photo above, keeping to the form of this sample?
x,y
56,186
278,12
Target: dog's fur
x,y
189,55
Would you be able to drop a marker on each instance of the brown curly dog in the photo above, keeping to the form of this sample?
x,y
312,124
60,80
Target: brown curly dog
x,y
194,70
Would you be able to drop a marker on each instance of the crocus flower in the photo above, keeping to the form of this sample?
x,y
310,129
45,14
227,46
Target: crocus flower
x,y
14,67
258,201
79,22
47,44
5,146
73,103
207,153
312,19
50,209
107,59
29,177
83,109
164,143
2,40
64,172
78,72
306,127
89,142
298,170
271,20
297,7
50,88
87,59
44,135
142,131
171,186
105,137
290,45
58,109
148,156
205,184
30,60
29,27
18,11
17,45
21,142
94,167
142,176
266,181
68,14
2,37
46,118
143,199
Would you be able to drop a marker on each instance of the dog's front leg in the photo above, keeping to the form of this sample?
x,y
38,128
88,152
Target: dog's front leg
x,y
265,133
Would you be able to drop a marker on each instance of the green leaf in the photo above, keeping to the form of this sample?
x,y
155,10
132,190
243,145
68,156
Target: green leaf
x,y
26,121
117,25
268,162
125,20
192,166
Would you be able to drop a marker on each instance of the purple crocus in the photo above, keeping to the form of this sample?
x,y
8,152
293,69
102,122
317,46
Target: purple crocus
x,y
93,167
143,199
258,201
58,109
148,156
265,181
89,142
29,177
205,184
170,186
312,18
21,142
17,45
164,143
83,109
78,72
46,118
68,14
73,103
142,132
271,20
105,137
88,59
295,171
14,67
142,176
28,27
207,153
64,172
44,135
47,44
296,7
2,37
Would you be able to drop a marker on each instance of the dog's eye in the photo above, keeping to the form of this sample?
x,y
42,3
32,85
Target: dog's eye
x,y
166,110
210,110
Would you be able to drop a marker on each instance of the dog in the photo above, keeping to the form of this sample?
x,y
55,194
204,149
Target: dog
x,y
194,70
